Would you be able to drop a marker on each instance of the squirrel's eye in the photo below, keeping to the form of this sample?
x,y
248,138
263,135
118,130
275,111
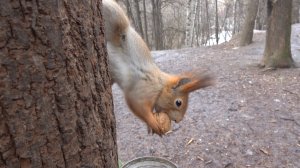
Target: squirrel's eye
x,y
178,102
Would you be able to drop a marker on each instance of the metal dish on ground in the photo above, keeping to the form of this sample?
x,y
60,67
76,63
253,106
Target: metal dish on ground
x,y
149,162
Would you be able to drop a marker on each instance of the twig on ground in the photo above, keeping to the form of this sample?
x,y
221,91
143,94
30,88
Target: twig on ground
x,y
264,151
269,69
227,165
190,141
290,119
200,158
293,93
208,162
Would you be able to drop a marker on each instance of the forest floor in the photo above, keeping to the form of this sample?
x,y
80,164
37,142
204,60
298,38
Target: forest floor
x,y
250,118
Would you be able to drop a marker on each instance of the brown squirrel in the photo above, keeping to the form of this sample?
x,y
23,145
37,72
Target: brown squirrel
x,y
147,89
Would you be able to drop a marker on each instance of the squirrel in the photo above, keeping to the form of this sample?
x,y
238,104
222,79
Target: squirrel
x,y
147,89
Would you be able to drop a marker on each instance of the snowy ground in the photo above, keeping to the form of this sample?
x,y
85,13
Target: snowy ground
x,y
250,118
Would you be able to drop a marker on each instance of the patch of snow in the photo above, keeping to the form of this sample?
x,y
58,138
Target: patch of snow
x,y
249,152
259,31
223,37
295,42
276,100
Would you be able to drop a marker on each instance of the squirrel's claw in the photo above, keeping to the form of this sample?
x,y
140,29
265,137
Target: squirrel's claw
x,y
152,132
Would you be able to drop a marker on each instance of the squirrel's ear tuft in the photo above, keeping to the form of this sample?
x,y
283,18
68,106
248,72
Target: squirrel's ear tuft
x,y
182,81
192,81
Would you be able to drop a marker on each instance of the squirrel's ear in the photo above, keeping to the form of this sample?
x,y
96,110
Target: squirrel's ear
x,y
193,81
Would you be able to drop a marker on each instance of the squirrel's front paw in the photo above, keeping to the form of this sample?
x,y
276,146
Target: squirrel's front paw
x,y
155,130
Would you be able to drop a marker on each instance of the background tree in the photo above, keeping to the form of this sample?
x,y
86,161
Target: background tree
x,y
139,18
295,14
247,32
208,25
55,95
217,22
261,18
158,37
188,24
277,52
192,19
145,21
130,13
238,13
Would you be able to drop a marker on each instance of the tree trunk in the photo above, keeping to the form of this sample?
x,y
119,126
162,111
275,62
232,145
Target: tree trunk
x,y
190,22
296,7
56,106
225,22
129,13
198,21
160,34
138,18
145,21
234,17
238,15
277,52
217,23
194,17
208,22
247,32
154,23
260,22
157,24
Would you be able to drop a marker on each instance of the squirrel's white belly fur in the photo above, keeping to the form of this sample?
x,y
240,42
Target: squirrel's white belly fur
x,y
128,62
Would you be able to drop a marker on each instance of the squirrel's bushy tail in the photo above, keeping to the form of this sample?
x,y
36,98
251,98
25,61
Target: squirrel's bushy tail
x,y
116,22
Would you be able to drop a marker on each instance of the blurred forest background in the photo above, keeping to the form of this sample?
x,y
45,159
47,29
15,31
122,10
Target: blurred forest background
x,y
174,24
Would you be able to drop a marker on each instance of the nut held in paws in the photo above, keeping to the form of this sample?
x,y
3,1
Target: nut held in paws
x,y
164,121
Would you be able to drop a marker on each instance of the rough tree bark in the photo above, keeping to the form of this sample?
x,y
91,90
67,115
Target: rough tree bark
x,y
247,32
277,52
55,95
